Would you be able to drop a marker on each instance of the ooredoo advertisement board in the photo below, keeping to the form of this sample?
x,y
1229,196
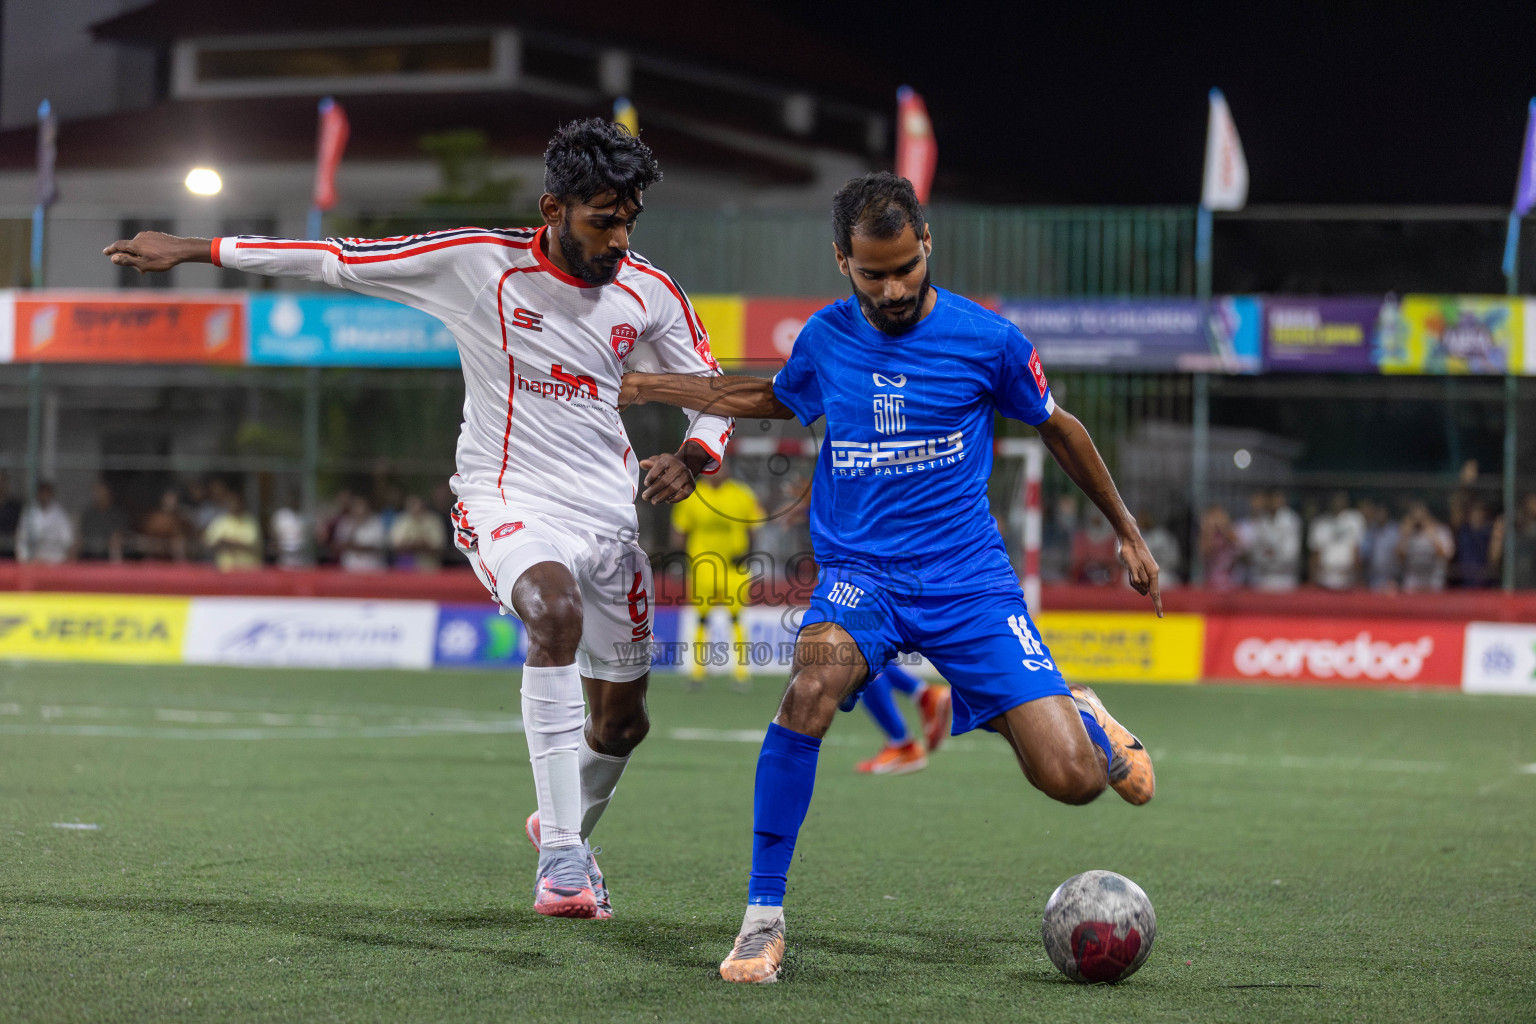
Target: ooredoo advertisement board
x,y
1338,652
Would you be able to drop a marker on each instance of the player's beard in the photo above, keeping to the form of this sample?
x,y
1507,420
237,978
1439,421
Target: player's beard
x,y
599,271
900,323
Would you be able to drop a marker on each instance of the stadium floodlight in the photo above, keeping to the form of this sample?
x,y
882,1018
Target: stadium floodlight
x,y
1242,459
204,181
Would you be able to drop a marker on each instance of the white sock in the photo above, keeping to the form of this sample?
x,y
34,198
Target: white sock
x,y
599,777
760,917
553,714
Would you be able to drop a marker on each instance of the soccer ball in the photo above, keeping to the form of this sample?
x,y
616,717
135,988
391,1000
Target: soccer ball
x,y
1098,927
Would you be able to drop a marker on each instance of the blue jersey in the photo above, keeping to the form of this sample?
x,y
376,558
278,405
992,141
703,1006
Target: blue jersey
x,y
900,491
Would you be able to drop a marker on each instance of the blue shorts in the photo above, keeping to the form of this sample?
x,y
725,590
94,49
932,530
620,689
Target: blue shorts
x,y
984,644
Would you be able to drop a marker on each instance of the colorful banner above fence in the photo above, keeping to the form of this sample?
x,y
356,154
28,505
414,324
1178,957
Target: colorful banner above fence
x,y
1152,335
1455,334
1305,335
345,330
118,327
1419,334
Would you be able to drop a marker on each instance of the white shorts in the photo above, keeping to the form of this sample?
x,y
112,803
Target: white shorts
x,y
614,576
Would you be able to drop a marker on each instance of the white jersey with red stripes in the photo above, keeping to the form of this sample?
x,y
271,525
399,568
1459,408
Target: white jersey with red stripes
x,y
542,352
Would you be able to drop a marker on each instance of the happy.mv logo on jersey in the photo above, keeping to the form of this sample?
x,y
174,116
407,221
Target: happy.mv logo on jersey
x,y
889,418
623,341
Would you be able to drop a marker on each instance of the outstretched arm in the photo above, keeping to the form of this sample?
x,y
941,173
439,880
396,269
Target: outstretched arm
x,y
1074,451
156,252
431,272
740,396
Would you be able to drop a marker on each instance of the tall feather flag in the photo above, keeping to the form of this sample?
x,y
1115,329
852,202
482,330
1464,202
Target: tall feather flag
x,y
1226,169
1525,195
329,146
624,113
47,185
917,153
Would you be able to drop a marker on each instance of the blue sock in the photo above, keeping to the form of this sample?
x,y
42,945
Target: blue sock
x,y
786,774
901,679
1096,733
881,706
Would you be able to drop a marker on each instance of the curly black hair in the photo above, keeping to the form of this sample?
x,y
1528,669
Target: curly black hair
x,y
592,156
878,204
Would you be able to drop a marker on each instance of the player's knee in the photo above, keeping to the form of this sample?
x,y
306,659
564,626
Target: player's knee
x,y
809,704
619,735
554,625
1077,780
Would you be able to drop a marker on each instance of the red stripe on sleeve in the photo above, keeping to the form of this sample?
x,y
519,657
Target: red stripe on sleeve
x,y
214,252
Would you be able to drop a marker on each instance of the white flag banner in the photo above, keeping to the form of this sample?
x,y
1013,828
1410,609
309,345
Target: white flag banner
x,y
1226,170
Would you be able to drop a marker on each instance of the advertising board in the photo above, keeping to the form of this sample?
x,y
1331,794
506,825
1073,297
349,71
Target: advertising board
x,y
345,330
1124,646
92,627
311,632
1158,335
87,327
478,636
1500,658
1340,652
1476,334
1317,335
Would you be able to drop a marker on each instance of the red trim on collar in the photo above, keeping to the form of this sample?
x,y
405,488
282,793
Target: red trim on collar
x,y
547,265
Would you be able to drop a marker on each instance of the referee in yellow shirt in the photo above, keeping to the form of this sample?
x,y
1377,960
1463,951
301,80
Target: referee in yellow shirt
x,y
714,525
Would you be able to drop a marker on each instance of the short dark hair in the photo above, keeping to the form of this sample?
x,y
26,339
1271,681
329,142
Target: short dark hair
x,y
589,157
878,204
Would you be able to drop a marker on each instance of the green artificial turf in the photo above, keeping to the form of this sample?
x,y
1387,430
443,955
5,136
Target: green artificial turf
x,y
286,845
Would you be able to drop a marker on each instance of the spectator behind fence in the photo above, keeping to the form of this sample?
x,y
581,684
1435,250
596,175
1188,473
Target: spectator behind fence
x,y
10,517
290,535
1095,551
1271,539
1525,542
45,533
328,520
1220,549
1424,546
359,538
417,537
233,537
103,527
1474,559
163,534
1335,538
1379,548
1165,549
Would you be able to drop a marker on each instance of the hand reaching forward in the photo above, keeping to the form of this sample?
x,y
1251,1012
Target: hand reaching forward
x,y
667,479
1141,568
153,251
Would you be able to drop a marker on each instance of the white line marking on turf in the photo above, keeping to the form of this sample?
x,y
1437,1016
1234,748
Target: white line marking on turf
x,y
1528,769
436,728
975,745
76,826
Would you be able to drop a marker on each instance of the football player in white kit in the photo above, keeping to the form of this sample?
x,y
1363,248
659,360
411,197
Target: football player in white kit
x,y
547,322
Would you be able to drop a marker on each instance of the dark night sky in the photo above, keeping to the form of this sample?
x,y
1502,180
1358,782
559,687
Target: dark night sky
x,y
1096,102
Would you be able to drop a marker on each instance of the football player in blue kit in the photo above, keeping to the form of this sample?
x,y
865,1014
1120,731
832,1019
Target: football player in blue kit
x,y
909,378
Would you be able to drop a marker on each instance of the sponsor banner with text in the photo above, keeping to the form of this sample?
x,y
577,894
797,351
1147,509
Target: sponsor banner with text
x,y
1160,335
1339,652
1124,646
1306,335
345,330
114,327
126,628
311,632
1500,658
1476,334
